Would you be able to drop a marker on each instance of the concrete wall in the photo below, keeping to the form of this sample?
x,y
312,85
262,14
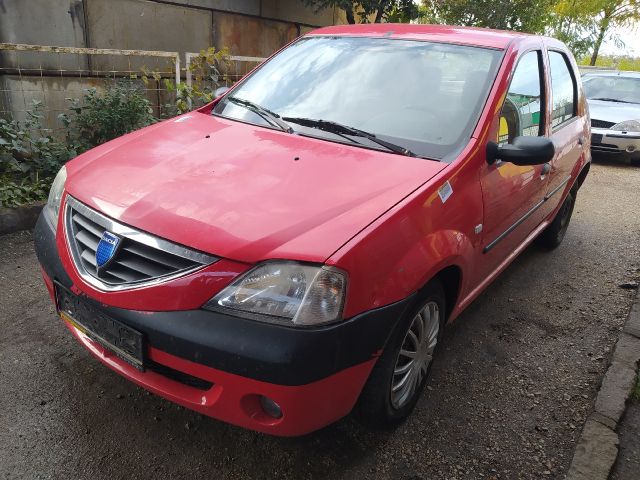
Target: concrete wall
x,y
42,22
246,27
156,24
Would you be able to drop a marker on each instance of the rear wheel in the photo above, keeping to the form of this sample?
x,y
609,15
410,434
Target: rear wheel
x,y
401,372
553,235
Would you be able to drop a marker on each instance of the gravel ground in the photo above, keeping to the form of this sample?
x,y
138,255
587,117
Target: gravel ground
x,y
508,396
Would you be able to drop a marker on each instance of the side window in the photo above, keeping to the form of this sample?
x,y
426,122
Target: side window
x,y
563,89
521,113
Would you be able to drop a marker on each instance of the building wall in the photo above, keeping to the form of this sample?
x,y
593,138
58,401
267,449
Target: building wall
x,y
178,25
254,28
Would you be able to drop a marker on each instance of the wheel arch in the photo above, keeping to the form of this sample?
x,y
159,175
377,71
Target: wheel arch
x,y
450,277
582,176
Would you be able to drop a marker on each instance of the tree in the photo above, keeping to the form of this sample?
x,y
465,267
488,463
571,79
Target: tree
x,y
585,24
612,14
521,15
575,25
370,10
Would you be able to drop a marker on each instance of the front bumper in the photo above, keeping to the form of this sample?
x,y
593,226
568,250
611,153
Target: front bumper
x,y
607,142
220,365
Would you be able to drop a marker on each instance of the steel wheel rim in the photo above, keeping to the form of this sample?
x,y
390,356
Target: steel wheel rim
x,y
416,353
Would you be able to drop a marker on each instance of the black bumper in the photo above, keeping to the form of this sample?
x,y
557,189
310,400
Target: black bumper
x,y
265,352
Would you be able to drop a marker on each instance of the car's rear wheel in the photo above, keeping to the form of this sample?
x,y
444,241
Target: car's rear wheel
x,y
553,235
401,372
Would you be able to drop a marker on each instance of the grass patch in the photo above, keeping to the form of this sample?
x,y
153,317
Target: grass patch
x,y
635,393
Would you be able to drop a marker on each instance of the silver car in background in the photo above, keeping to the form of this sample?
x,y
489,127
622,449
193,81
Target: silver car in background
x,y
614,106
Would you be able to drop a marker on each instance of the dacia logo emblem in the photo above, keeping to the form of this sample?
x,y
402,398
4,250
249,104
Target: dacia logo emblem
x,y
107,249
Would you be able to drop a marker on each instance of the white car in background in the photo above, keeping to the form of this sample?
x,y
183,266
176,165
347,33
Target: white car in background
x,y
614,105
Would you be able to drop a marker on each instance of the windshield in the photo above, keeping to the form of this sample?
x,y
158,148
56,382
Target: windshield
x,y
612,88
424,97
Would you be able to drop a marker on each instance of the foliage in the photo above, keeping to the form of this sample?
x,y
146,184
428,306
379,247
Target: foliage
x,y
614,62
13,193
100,117
521,15
27,150
206,77
29,158
574,26
585,24
635,393
370,10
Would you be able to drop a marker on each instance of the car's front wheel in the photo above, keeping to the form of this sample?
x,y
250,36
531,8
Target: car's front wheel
x,y
401,372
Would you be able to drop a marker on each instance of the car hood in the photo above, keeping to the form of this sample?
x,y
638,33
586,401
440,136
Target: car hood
x,y
613,111
240,191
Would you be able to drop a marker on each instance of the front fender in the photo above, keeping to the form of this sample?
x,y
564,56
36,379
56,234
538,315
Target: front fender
x,y
380,276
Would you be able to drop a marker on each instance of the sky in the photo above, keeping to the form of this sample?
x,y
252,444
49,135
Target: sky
x,y
631,38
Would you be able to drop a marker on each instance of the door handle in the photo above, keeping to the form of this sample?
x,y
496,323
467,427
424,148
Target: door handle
x,y
546,168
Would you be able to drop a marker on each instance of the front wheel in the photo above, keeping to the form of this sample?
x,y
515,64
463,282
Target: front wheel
x,y
553,235
401,372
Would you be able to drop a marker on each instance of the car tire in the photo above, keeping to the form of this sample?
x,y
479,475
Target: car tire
x,y
553,235
379,406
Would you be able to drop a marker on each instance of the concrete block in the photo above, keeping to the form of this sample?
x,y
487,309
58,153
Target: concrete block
x,y
616,388
42,22
595,454
19,218
627,350
606,421
632,326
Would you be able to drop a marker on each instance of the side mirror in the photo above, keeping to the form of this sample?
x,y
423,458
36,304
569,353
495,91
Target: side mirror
x,y
523,151
220,91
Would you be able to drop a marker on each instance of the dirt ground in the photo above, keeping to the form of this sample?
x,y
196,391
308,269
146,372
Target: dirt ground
x,y
507,399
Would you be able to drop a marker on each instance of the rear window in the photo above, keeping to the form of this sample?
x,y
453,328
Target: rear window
x,y
420,95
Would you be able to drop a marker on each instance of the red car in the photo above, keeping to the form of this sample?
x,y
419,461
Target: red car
x,y
293,250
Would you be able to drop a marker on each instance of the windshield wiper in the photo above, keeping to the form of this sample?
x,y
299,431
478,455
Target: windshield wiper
x,y
263,112
339,129
606,99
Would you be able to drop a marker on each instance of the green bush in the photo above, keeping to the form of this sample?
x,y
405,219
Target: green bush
x,y
99,118
29,159
30,156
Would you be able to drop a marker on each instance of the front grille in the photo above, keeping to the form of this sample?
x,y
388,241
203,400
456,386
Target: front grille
x,y
140,259
601,124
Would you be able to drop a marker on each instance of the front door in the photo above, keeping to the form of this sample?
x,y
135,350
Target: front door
x,y
512,194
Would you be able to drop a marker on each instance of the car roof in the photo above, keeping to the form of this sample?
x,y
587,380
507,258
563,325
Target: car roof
x,y
481,37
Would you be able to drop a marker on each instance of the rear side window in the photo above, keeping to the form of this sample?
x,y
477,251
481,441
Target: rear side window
x,y
521,113
563,89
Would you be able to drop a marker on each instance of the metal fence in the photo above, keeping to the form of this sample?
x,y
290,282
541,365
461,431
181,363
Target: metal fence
x,y
48,78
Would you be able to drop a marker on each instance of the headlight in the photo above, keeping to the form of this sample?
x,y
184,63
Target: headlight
x,y
287,293
52,209
627,126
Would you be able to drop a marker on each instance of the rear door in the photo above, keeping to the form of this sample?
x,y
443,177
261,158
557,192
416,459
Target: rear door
x,y
567,127
512,194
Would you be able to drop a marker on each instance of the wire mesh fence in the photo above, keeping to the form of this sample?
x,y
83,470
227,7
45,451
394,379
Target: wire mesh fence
x,y
52,79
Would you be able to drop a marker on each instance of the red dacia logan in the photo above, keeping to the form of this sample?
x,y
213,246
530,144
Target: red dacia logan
x,y
292,251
